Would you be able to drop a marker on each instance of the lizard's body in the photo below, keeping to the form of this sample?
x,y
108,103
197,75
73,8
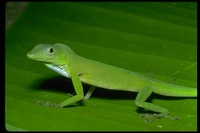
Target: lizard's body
x,y
63,60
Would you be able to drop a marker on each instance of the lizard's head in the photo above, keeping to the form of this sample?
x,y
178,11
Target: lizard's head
x,y
53,54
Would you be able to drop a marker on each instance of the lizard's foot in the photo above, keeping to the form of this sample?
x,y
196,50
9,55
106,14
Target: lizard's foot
x,y
149,117
48,104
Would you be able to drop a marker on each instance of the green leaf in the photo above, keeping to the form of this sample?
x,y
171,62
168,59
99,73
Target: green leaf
x,y
138,36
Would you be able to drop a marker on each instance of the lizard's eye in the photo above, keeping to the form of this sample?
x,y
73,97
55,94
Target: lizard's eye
x,y
50,50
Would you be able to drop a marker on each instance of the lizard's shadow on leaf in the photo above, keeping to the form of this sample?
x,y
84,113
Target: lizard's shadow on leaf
x,y
58,84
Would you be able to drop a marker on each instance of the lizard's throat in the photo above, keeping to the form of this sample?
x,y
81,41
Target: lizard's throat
x,y
59,69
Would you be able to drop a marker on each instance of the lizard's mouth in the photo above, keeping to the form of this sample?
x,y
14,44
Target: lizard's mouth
x,y
59,69
33,57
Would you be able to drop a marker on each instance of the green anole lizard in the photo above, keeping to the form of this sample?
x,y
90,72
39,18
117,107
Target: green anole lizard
x,y
63,60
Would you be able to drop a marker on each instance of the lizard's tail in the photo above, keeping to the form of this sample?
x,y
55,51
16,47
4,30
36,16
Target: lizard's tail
x,y
168,89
